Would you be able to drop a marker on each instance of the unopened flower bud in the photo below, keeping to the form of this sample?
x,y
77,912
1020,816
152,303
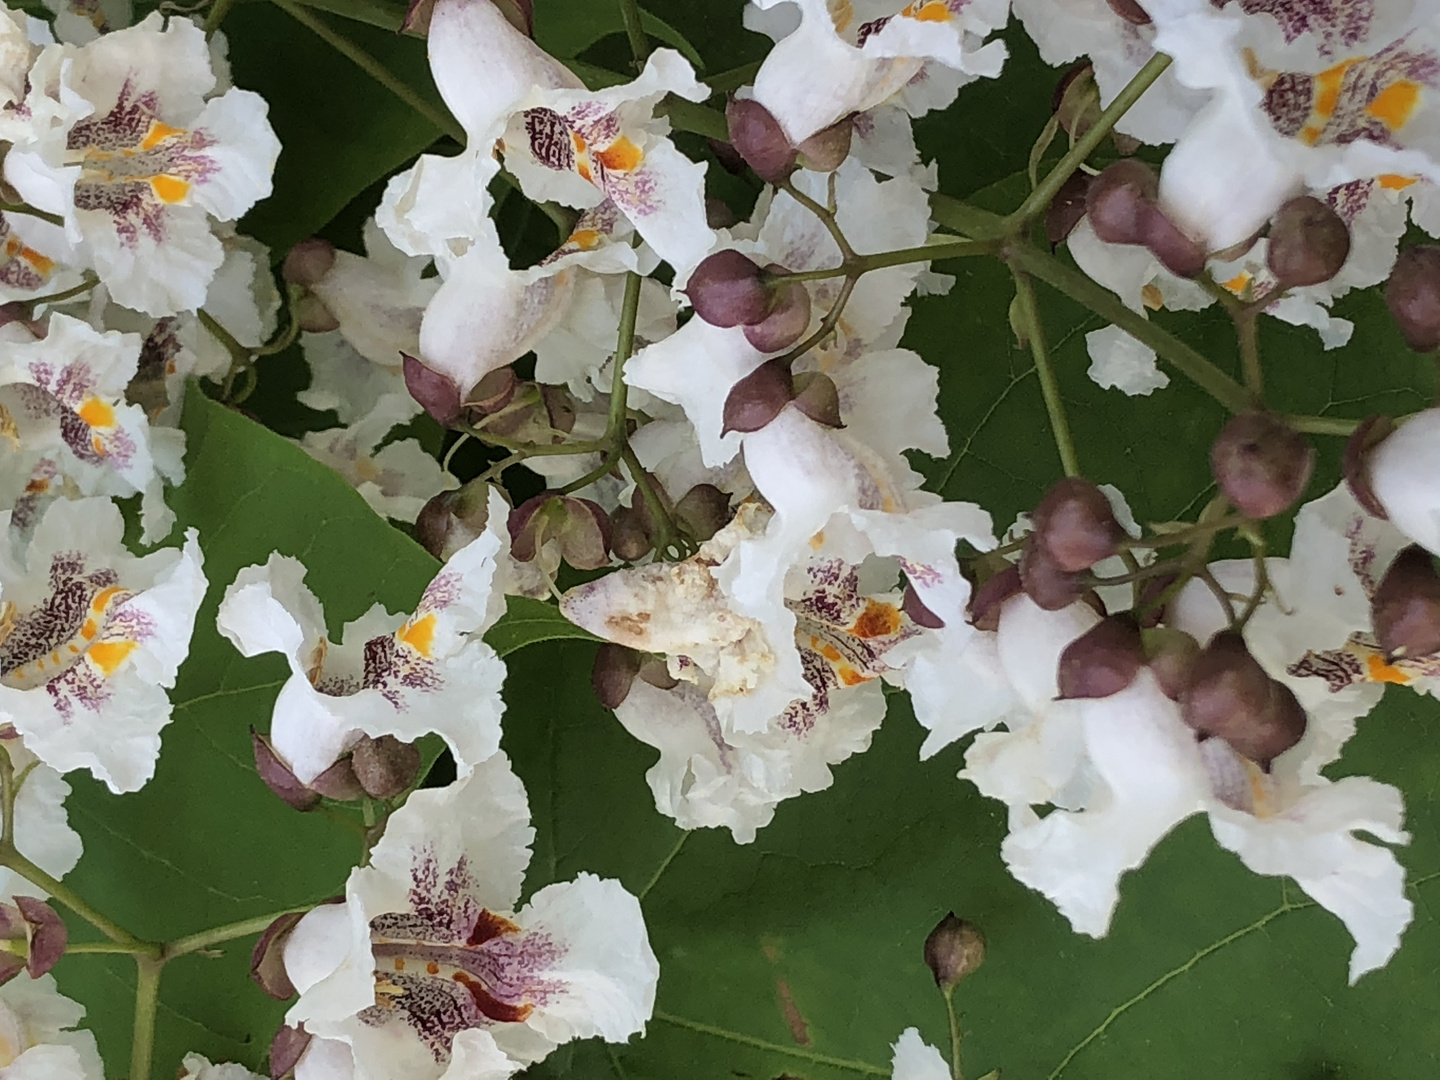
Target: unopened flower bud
x,y
1230,696
1355,464
1172,654
312,316
385,766
1261,464
1130,11
278,777
983,610
613,673
1044,582
758,138
718,214
437,393
308,262
916,611
656,672
630,540
954,949
1076,525
1120,200
581,527
827,149
1151,612
494,391
757,399
1413,295
1309,242
787,321
817,397
338,782
267,959
43,931
728,289
286,1050
703,511
1177,252
1067,208
1102,661
1405,609
452,519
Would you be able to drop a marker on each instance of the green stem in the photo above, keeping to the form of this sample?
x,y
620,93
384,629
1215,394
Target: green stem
x,y
229,932
635,31
1323,425
1074,284
30,211
13,860
967,220
624,348
734,78
827,325
826,216
54,298
440,120
696,119
1049,388
8,791
863,264
218,10
84,948
664,865
954,1017
1247,331
147,998
1042,196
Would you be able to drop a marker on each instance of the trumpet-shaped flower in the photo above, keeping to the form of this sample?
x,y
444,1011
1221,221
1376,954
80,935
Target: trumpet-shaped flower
x,y
1403,477
38,1037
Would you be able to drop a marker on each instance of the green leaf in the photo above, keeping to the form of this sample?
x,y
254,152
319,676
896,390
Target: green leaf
x,y
567,30
529,622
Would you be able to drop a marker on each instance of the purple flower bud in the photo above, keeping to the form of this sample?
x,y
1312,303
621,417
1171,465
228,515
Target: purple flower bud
x,y
267,959
286,1050
718,214
1355,464
1076,525
1405,609
787,321
278,777
308,262
817,397
1120,200
338,782
494,391
758,398
1261,465
953,950
827,149
703,511
916,611
559,407
654,671
758,138
1309,242
1044,582
983,610
1230,696
1102,661
630,540
452,519
1176,251
385,766
1067,208
728,289
1130,11
437,394
613,673
47,933
1413,296
581,527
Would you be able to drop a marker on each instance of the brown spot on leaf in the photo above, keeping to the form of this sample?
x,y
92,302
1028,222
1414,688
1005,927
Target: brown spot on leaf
x,y
799,1029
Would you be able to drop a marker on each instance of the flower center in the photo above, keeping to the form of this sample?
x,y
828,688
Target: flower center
x,y
75,621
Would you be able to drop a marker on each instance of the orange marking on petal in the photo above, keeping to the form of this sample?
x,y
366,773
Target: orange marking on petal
x,y
419,634
103,598
1327,87
41,264
158,133
490,926
1152,297
40,664
88,630
933,11
399,963
169,189
432,968
74,648
584,170
1379,671
1393,182
1237,283
97,413
850,677
877,620
829,652
1394,105
620,156
109,655
1310,135
585,239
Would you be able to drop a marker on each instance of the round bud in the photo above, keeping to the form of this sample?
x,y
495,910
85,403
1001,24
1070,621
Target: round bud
x,y
1176,251
1120,199
437,393
1172,654
703,511
1405,609
630,540
385,766
1102,661
494,391
1067,208
983,610
953,950
1261,465
278,777
451,519
817,397
1355,464
718,214
758,138
308,261
787,320
916,611
1413,295
827,149
613,673
727,289
1230,696
1046,583
1076,525
758,398
1130,11
1309,242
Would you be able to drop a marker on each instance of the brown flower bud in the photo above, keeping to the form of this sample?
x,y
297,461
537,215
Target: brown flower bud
x,y
436,392
718,214
703,511
953,950
1355,464
385,766
1044,582
494,391
1102,661
613,673
827,149
286,1050
1130,11
1076,525
1172,654
40,926
1230,696
758,398
758,138
787,320
983,610
1176,251
630,540
1413,295
817,397
278,777
1405,609
308,262
1067,208
1120,200
451,519
582,528
1261,465
916,611
1309,242
338,782
727,289
267,959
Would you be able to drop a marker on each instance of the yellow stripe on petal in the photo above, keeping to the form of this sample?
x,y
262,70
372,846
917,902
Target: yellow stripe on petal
x,y
169,189
419,634
620,156
1394,105
1379,671
1327,88
158,133
1394,182
109,655
932,11
97,413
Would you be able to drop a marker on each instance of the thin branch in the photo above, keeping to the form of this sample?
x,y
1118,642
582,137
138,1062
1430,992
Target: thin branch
x,y
147,999
635,31
229,932
1029,315
30,211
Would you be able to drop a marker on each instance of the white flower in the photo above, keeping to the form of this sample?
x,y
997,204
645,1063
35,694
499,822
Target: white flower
x,y
847,56
389,674
141,160
37,1036
1404,479
1119,362
427,963
197,1067
42,828
915,1059
396,479
93,636
25,272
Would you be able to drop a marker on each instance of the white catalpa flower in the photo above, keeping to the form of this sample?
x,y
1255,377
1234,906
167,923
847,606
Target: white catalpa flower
x,y
63,404
915,1059
42,828
427,970
196,1067
1302,95
141,161
38,1040
397,675
93,637
26,273
396,479
1404,479
847,56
